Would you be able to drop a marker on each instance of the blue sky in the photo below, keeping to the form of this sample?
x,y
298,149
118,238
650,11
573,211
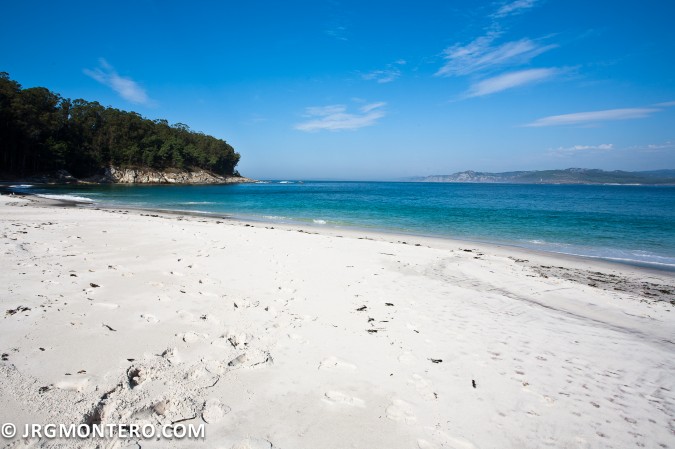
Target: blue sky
x,y
372,90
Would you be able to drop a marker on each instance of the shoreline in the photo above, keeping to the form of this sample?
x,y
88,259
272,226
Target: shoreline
x,y
333,230
556,264
283,337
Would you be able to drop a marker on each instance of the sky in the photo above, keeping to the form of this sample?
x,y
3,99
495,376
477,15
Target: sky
x,y
379,90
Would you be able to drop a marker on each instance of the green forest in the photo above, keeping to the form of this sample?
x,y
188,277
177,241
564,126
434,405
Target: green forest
x,y
41,132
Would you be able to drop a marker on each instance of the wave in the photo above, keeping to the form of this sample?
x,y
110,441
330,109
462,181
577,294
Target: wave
x,y
632,257
319,221
275,217
73,198
21,186
198,202
286,182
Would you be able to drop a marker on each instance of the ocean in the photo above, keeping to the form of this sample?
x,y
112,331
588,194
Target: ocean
x,y
630,224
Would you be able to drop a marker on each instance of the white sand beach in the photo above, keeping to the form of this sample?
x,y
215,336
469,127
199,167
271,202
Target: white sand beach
x,y
294,338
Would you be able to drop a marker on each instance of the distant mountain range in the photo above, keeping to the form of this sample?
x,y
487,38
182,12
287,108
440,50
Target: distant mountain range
x,y
567,176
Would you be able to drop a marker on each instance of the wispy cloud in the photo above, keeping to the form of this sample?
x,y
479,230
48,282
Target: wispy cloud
x,y
578,149
515,7
336,117
336,25
486,56
338,32
127,88
665,104
583,118
509,81
481,55
655,147
386,75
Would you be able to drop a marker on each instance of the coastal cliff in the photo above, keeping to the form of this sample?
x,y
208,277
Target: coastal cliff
x,y
116,175
173,176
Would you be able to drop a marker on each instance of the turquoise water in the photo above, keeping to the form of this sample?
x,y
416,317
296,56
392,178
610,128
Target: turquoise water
x,y
634,224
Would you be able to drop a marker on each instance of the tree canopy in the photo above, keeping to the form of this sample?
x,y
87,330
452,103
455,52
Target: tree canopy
x,y
40,132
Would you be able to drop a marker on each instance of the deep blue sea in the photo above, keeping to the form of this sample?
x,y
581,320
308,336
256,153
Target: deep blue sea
x,y
633,224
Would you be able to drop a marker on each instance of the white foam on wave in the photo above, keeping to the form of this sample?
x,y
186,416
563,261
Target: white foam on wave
x,y
651,260
74,198
285,182
21,186
199,202
319,221
628,256
275,217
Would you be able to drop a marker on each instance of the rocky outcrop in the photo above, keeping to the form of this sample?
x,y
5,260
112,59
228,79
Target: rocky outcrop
x,y
172,176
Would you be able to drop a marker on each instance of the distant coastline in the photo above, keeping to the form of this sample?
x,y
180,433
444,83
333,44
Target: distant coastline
x,y
566,176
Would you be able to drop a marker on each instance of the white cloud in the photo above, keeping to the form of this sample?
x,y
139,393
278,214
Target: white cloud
x,y
577,149
372,106
655,147
515,7
336,117
665,104
127,88
387,75
324,110
582,118
509,81
482,55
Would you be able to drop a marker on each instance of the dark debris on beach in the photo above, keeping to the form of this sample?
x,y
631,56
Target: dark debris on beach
x,y
648,291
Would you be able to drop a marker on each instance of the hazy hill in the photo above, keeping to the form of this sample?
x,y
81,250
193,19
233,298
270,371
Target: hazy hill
x,y
567,176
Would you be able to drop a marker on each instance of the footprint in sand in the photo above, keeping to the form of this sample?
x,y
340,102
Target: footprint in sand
x,y
221,342
333,362
215,367
236,339
243,358
337,397
298,338
401,411
196,372
77,385
136,376
214,411
192,337
423,386
407,358
149,318
171,355
185,315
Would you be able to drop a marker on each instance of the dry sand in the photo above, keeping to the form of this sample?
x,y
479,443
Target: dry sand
x,y
280,337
